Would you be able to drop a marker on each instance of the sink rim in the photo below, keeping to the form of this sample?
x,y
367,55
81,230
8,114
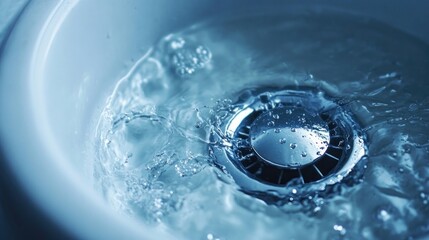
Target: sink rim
x,y
89,204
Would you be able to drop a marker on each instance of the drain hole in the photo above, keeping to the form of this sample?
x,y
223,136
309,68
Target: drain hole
x,y
271,174
326,164
311,174
268,167
289,137
337,153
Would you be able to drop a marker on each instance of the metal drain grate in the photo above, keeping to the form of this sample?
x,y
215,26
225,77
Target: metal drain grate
x,y
284,139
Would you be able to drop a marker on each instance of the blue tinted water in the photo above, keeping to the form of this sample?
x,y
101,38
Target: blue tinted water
x,y
152,138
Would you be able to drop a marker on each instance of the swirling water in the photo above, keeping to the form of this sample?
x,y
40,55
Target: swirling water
x,y
152,141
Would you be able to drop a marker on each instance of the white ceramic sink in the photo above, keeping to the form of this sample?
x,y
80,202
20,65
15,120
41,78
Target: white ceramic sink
x,y
61,62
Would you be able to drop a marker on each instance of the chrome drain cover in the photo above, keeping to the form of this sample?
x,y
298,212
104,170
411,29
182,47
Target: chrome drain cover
x,y
288,141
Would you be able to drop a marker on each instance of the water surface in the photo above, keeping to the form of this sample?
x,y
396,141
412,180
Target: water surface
x,y
152,141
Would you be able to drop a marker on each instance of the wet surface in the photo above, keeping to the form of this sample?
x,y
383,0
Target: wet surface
x,y
152,159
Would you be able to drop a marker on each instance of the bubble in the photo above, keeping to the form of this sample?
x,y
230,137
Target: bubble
x,y
413,107
270,124
198,124
303,154
190,165
177,43
276,116
383,215
107,142
406,148
340,229
425,198
389,75
203,56
317,209
293,130
393,154
277,130
292,145
186,58
282,140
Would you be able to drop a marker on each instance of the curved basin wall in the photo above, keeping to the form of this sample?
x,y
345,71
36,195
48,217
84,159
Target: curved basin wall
x,y
64,58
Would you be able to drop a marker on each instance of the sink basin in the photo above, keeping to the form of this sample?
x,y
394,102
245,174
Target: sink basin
x,y
61,62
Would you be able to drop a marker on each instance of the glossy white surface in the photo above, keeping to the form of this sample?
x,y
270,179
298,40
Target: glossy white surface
x,y
59,65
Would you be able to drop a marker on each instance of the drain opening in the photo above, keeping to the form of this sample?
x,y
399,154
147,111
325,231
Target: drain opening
x,y
289,138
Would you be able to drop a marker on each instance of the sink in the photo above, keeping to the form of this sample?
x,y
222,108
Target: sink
x,y
61,62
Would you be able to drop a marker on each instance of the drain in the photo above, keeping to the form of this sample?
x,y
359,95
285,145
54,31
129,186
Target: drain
x,y
281,141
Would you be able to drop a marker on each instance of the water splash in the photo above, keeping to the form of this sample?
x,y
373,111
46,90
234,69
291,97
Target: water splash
x,y
185,58
152,157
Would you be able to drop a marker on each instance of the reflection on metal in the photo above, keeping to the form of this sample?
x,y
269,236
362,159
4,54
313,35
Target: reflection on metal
x,y
282,140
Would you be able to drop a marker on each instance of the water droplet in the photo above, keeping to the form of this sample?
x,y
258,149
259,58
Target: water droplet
x,y
198,124
293,130
294,191
282,140
203,56
303,154
277,130
276,116
393,154
292,145
319,153
413,107
383,215
107,142
340,229
270,124
185,60
406,148
177,43
317,209
389,75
